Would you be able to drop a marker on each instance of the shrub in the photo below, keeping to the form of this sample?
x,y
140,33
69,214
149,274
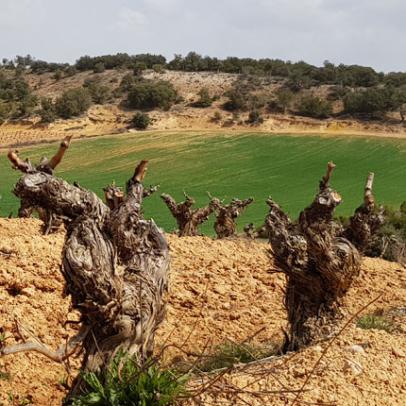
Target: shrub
x,y
204,99
282,101
70,71
230,353
255,118
217,117
390,241
73,102
99,68
58,75
139,67
373,101
237,99
126,384
374,321
148,94
100,94
141,121
47,112
158,68
4,112
313,106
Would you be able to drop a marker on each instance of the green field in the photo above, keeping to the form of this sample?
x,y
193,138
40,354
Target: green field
x,y
287,167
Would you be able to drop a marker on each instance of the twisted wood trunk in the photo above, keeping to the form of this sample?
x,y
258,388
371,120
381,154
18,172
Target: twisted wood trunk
x,y
366,220
51,221
115,265
187,218
319,265
226,215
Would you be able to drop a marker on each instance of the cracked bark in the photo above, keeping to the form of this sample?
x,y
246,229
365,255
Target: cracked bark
x,y
51,221
187,218
115,265
319,265
226,215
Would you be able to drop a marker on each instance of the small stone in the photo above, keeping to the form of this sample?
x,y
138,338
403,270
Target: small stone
x,y
397,352
30,292
356,349
353,366
318,348
220,289
234,316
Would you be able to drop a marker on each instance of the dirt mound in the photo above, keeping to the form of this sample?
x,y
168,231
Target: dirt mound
x,y
220,290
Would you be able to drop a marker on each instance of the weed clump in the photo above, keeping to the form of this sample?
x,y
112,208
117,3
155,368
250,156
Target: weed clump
x,y
126,383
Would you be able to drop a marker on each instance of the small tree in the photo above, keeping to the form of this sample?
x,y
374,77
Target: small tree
x,y
284,98
141,121
204,99
237,99
58,75
255,118
139,67
158,68
73,102
313,106
100,94
149,94
99,68
47,111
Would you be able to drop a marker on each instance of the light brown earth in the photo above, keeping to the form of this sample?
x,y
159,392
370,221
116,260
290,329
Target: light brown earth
x,y
220,290
112,119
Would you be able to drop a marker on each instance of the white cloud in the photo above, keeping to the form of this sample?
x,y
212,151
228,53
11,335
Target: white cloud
x,y
129,20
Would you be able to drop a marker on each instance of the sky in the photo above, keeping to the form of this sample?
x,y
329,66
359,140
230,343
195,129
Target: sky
x,y
364,32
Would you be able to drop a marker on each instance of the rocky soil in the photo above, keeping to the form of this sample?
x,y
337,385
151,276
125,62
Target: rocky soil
x,y
220,291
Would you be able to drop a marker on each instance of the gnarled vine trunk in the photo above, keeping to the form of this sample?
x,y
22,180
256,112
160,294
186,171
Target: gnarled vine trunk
x,y
115,264
366,220
51,221
187,218
226,215
320,265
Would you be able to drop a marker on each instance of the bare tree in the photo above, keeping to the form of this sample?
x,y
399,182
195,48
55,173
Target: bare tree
x,y
226,215
187,218
51,221
115,265
319,265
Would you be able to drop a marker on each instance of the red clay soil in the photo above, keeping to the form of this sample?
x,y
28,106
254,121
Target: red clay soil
x,y
219,291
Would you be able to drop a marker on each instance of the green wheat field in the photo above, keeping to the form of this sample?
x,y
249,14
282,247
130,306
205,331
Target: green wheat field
x,y
286,167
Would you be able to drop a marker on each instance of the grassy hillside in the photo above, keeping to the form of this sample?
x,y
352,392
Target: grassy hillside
x,y
230,165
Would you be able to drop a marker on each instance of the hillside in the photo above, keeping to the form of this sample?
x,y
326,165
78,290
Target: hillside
x,y
220,290
112,117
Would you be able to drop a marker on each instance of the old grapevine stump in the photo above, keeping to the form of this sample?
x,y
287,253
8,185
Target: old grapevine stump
x,y
115,265
187,218
51,221
227,214
366,220
320,265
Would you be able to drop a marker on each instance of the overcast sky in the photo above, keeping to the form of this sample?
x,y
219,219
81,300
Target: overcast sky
x,y
365,32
